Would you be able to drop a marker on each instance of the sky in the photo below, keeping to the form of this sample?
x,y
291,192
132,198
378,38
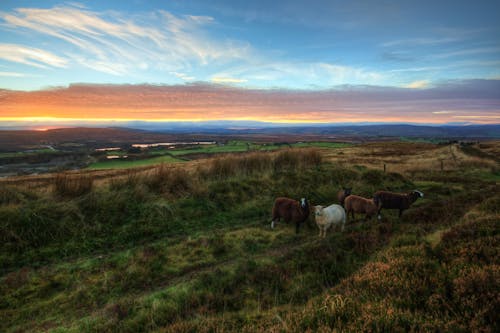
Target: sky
x,y
277,61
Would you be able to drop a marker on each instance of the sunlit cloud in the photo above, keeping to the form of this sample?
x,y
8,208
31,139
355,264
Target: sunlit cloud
x,y
31,56
13,74
184,76
478,117
195,102
417,84
443,112
227,80
114,44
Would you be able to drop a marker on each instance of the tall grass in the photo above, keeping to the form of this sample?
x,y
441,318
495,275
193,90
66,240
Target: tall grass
x,y
254,163
176,249
66,185
164,179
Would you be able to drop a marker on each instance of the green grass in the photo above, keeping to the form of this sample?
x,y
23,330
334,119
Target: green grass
x,y
175,251
123,163
322,144
230,147
27,153
243,146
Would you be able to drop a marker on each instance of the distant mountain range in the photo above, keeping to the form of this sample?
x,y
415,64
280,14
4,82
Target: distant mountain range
x,y
361,130
97,137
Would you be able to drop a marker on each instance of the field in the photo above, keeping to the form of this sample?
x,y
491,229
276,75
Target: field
x,y
187,247
121,164
195,151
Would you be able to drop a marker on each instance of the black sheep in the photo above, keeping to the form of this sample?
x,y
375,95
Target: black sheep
x,y
390,200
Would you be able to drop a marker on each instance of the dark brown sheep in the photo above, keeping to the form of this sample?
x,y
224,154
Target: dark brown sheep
x,y
357,204
342,194
390,200
291,211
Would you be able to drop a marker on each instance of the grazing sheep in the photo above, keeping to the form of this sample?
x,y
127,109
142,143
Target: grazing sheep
x,y
390,200
357,204
290,211
342,194
326,217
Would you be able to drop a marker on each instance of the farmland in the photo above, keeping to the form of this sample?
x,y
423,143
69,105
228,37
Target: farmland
x,y
195,151
187,246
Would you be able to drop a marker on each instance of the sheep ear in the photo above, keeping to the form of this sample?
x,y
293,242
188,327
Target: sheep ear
x,y
420,193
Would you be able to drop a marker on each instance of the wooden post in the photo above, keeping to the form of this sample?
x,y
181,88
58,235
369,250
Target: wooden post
x,y
384,167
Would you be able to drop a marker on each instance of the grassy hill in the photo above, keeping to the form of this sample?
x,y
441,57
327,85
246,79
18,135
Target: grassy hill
x,y
189,247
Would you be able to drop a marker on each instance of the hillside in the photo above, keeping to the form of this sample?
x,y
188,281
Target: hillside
x,y
12,140
189,247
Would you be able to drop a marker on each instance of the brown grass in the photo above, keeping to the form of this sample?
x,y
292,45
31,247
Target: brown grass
x,y
410,158
67,185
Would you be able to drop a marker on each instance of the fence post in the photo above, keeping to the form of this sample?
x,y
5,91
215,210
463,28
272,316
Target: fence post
x,y
384,167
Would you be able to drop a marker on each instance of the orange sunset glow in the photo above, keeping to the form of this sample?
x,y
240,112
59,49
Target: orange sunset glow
x,y
205,102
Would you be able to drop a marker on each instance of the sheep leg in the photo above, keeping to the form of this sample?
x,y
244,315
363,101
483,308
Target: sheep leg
x,y
297,226
400,212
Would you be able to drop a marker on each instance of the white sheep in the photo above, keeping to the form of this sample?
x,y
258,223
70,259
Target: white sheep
x,y
326,217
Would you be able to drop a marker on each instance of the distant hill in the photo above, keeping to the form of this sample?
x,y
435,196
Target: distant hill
x,y
457,132
90,137
362,130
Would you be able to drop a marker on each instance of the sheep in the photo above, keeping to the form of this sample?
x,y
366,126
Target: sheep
x,y
357,204
390,200
326,217
291,211
342,194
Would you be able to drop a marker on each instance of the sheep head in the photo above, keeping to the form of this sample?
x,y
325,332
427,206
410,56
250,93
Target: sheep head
x,y
303,203
318,210
420,194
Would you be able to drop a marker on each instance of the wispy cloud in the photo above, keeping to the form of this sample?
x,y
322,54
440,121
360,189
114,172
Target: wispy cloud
x,y
460,53
114,44
184,76
217,79
417,84
31,56
13,74
420,41
292,74
443,112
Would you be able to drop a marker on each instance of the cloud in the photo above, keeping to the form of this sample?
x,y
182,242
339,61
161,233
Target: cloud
x,y
417,84
295,74
13,74
443,112
478,117
420,41
104,40
183,76
217,79
31,56
202,101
